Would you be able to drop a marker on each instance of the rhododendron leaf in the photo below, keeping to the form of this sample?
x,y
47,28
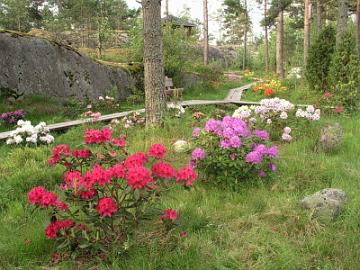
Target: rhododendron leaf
x,y
83,246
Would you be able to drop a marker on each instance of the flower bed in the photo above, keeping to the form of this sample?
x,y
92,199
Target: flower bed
x,y
277,115
269,88
105,192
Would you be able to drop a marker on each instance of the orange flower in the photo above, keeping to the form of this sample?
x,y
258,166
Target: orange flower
x,y
269,92
256,89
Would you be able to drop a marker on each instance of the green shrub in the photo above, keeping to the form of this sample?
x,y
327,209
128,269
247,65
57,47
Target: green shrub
x,y
344,73
319,59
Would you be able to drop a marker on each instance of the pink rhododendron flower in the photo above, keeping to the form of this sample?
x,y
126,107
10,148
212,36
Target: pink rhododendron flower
x,y
327,94
163,170
198,154
261,134
186,175
136,160
52,230
138,177
106,207
119,142
59,152
117,171
45,199
253,157
92,136
170,214
82,153
157,151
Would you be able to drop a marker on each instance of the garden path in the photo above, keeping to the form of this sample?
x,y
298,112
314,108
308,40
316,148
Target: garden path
x,y
234,97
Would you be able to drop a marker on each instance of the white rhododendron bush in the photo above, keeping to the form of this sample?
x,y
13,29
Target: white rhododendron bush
x,y
278,116
26,133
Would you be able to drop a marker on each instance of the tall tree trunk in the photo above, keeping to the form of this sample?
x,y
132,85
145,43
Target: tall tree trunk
x,y
266,39
99,39
245,37
206,33
280,46
154,78
342,20
358,25
167,8
307,26
319,14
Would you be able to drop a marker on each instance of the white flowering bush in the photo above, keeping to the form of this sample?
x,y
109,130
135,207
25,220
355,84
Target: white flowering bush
x,y
310,113
26,133
277,115
176,109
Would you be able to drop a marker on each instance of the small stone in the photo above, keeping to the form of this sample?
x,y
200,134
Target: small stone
x,y
325,204
181,146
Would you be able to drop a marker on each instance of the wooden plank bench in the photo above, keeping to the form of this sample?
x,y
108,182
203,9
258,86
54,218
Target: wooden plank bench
x,y
170,91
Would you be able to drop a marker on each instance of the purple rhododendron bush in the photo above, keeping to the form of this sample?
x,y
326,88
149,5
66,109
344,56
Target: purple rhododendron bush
x,y
228,152
105,192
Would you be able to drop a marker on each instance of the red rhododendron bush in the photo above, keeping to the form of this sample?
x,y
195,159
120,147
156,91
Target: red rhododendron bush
x,y
105,192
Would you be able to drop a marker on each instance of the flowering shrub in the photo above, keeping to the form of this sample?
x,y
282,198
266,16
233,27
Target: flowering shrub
x,y
269,88
248,74
136,119
105,192
26,133
12,117
276,115
175,109
228,152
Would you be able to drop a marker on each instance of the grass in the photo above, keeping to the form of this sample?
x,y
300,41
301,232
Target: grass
x,y
260,227
217,92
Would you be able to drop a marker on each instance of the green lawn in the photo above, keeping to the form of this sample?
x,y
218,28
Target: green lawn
x,y
260,227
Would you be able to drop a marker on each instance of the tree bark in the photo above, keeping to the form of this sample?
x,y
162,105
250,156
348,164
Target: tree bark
x,y
206,33
99,45
358,25
342,20
154,78
266,39
319,14
307,25
280,71
245,37
167,8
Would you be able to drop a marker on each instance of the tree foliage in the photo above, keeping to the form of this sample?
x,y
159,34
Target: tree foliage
x,y
320,55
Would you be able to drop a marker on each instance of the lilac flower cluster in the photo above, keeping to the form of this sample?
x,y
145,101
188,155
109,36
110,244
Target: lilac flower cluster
x,y
231,142
12,117
230,131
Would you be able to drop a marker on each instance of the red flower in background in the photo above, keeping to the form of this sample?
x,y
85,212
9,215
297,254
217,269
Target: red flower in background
x,y
327,94
163,170
52,230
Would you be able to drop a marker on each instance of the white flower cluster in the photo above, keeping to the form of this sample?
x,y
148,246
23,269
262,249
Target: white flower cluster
x,y
132,120
286,134
106,98
310,113
178,109
274,108
27,133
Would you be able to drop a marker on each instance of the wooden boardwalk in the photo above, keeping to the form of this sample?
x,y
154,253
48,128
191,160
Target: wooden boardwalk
x,y
233,97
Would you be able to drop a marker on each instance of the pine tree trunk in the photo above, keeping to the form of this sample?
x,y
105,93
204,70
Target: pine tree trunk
x,y
167,8
206,33
280,46
342,20
266,39
319,14
99,40
307,25
155,104
245,38
358,25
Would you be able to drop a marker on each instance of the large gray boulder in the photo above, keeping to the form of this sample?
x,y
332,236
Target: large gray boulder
x,y
325,204
32,65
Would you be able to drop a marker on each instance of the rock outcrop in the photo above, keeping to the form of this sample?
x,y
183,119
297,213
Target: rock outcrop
x,y
36,66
